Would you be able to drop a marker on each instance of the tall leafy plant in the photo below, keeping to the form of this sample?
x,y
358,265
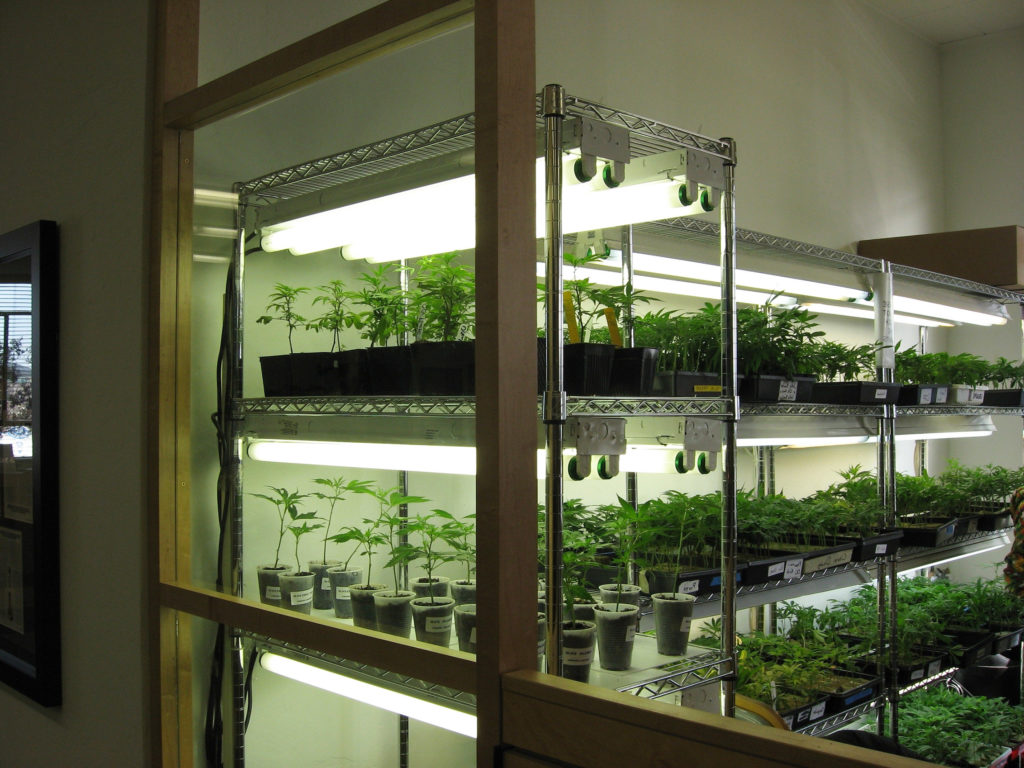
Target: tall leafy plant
x,y
384,316
444,301
336,314
287,504
282,308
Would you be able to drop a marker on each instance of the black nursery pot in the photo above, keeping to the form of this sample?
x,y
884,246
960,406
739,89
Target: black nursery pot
x,y
353,372
389,370
588,368
687,384
277,375
633,371
444,367
772,388
300,374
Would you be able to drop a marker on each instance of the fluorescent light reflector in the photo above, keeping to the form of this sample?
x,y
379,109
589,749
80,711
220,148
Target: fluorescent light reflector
x,y
382,698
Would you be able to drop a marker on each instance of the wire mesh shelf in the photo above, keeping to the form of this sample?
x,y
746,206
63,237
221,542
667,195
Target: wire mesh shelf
x,y
840,719
677,676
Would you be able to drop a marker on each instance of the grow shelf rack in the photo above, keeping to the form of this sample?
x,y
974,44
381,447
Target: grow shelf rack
x,y
676,676
841,719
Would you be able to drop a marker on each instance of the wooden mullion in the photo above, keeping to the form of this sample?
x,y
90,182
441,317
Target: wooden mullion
x,y
506,358
378,30
437,665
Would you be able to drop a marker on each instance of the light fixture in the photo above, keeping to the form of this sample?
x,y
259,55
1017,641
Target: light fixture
x,y
803,442
906,305
374,695
869,314
673,287
443,459
441,216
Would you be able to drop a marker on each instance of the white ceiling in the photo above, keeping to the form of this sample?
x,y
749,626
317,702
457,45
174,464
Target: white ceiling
x,y
946,21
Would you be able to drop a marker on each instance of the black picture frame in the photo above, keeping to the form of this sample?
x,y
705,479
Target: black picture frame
x,y
30,650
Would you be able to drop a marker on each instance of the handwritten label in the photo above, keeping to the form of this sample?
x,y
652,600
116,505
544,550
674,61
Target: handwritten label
x,y
689,587
342,593
917,674
924,397
803,716
288,426
325,584
438,623
977,396
776,569
818,710
273,593
577,657
684,625
787,391
630,634
881,393
881,549
540,647
941,393
302,597
794,569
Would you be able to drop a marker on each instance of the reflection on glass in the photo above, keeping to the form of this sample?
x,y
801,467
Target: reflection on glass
x,y
16,390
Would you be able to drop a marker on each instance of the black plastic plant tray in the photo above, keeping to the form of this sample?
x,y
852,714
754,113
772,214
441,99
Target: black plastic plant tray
x,y
971,646
1005,398
995,521
929,532
840,701
687,384
878,545
928,666
805,714
855,393
1005,639
695,581
766,388
917,394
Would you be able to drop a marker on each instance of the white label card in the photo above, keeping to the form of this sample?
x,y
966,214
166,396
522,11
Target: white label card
x,y
273,593
438,623
934,668
925,397
325,584
684,625
818,710
881,393
541,645
788,720
576,657
880,549
776,569
630,634
342,593
941,393
794,569
689,587
787,391
917,674
302,597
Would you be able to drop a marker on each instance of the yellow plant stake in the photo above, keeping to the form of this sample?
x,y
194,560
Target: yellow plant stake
x,y
570,318
613,328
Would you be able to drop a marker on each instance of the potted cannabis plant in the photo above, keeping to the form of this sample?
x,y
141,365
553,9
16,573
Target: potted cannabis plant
x,y
382,322
336,490
432,613
846,375
443,353
690,358
297,587
286,505
616,615
292,374
336,316
369,538
392,606
464,552
1005,379
578,635
776,347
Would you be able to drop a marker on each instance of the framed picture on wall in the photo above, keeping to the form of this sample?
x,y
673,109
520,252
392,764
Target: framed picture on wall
x,y
29,543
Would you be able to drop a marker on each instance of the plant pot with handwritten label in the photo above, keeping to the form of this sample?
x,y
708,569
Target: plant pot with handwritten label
x,y
578,638
673,612
616,627
297,591
465,626
393,610
341,580
268,578
322,597
432,619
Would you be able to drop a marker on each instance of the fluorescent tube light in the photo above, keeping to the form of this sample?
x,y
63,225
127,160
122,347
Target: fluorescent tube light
x,y
442,459
803,442
943,435
382,698
442,217
931,309
869,314
994,547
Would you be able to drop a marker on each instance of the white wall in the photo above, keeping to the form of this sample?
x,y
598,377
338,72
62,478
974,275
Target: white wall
x,y
73,99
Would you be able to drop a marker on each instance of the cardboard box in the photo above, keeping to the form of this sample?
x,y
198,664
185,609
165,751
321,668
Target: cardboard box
x,y
994,256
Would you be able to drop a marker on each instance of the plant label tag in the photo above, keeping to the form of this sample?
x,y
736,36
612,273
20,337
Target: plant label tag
x,y
342,593
630,634
541,645
684,625
924,397
818,710
917,674
794,569
776,569
273,593
976,397
325,584
577,657
689,587
472,635
803,715
787,391
941,393
302,597
881,393
934,667
438,623
880,549
788,720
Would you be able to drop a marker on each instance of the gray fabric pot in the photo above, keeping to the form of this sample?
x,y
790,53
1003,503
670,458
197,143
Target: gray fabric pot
x,y
463,591
297,591
628,594
364,612
341,581
432,619
322,599
267,576
672,612
438,587
616,626
465,626
394,612
577,649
